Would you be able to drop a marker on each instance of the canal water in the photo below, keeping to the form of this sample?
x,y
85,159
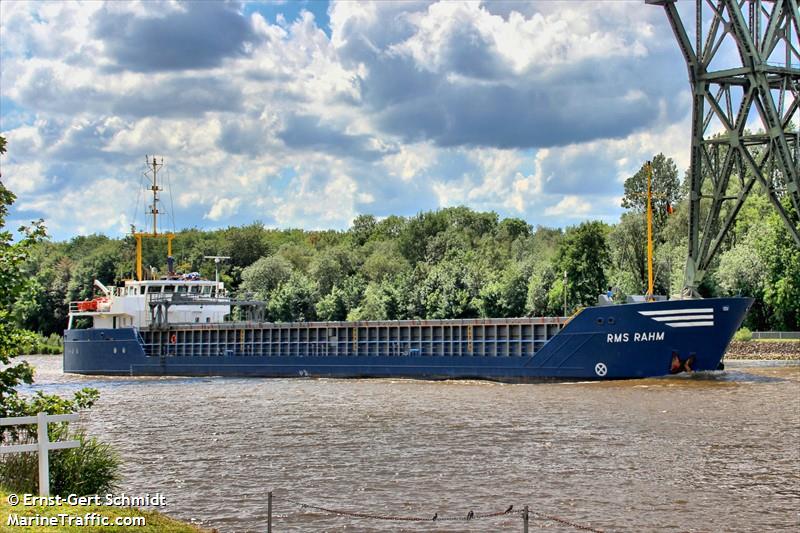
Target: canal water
x,y
706,452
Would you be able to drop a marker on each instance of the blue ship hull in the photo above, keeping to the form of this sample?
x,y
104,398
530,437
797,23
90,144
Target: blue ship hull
x,y
606,342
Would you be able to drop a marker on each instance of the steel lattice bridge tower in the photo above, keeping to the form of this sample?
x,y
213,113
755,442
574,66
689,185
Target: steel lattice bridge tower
x,y
763,84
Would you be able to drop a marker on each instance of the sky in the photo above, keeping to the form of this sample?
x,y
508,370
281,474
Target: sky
x,y
305,114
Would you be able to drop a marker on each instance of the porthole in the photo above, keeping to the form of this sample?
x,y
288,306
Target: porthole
x,y
115,350
123,350
599,321
611,320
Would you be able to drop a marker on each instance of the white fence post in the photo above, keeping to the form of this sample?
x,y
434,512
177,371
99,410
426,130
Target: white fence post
x,y
43,444
43,439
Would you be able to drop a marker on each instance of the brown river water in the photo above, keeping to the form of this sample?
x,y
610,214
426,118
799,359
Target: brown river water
x,y
707,452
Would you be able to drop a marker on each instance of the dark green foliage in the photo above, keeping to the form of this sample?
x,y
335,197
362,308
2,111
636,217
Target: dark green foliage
x,y
39,344
362,229
628,241
665,187
765,264
507,294
540,284
332,265
264,276
13,284
449,289
385,261
381,302
244,245
584,255
294,299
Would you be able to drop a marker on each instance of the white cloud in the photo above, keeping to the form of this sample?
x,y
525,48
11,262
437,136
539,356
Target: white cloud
x,y
570,207
101,206
317,203
24,178
223,208
532,110
410,160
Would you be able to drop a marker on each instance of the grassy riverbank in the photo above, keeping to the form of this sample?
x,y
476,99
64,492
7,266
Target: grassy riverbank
x,y
154,521
782,350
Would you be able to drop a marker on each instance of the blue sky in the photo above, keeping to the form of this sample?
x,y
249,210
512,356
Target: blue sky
x,y
306,114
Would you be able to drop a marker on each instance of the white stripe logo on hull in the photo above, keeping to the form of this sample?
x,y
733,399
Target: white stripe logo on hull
x,y
683,318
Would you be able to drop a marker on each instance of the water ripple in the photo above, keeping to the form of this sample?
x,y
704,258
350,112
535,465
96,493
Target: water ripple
x,y
709,452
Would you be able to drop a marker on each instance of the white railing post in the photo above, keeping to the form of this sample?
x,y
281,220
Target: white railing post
x,y
43,439
43,444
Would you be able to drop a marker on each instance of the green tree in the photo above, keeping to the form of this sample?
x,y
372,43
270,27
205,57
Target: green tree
x,y
362,228
244,244
782,260
584,256
298,254
264,276
332,306
385,261
628,241
380,302
12,285
330,266
450,288
506,295
294,299
665,187
542,279
101,263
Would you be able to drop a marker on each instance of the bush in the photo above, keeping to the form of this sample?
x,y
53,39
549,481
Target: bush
x,y
743,334
39,344
91,468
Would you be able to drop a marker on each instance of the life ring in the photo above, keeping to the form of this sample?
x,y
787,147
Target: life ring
x,y
173,338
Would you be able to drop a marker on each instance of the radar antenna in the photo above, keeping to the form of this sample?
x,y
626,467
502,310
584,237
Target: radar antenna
x,y
217,260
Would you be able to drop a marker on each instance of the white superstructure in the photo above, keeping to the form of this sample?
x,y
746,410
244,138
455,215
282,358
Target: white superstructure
x,y
135,303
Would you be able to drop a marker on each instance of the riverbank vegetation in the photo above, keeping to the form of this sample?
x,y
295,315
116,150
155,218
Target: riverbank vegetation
x,y
39,344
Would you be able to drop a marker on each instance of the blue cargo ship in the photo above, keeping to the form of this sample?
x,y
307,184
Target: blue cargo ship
x,y
179,326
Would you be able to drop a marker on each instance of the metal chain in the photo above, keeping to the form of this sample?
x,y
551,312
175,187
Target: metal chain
x,y
436,518
565,522
470,516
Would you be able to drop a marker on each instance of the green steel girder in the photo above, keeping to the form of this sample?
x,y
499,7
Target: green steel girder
x,y
725,98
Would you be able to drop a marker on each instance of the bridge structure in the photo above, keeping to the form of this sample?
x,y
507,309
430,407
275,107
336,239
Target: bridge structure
x,y
743,58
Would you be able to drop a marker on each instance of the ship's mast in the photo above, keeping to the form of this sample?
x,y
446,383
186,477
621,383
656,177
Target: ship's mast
x,y
650,283
153,166
155,188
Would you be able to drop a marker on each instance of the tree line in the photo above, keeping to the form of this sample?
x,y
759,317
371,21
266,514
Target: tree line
x,y
448,263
